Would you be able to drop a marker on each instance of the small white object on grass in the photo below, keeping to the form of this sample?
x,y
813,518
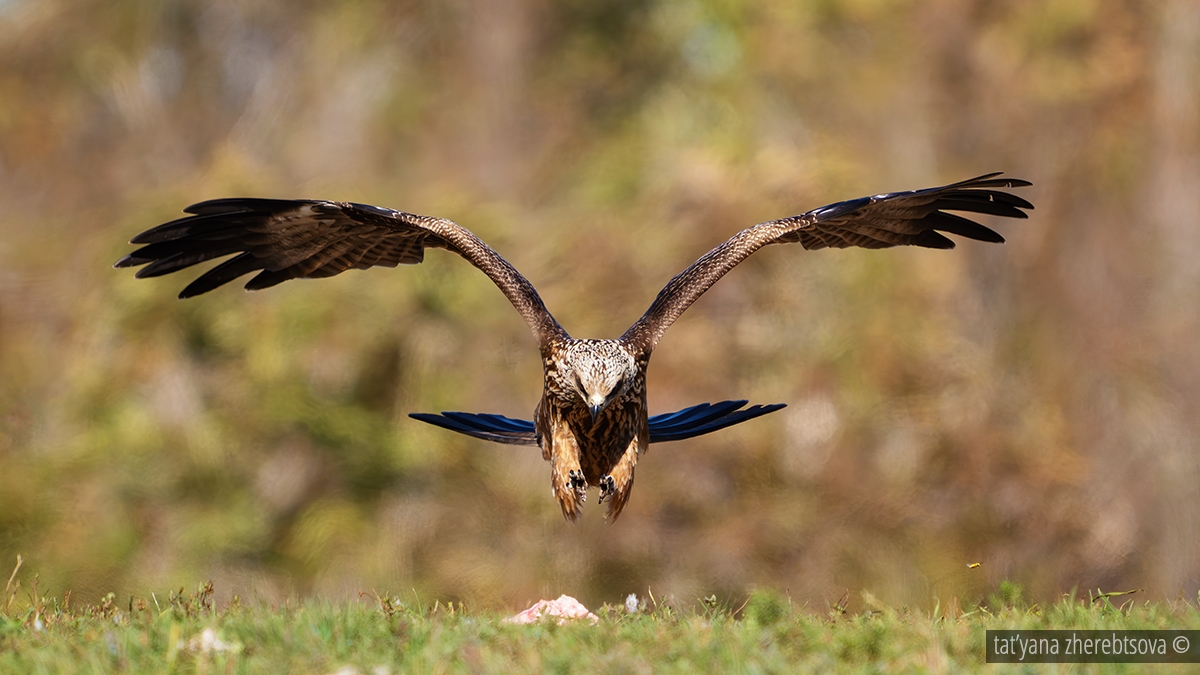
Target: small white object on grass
x,y
631,603
563,609
208,642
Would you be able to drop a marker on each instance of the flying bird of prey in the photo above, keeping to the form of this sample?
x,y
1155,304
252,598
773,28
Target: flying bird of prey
x,y
591,423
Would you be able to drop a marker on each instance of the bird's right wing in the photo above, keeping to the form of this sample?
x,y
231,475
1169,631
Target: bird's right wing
x,y
290,239
687,423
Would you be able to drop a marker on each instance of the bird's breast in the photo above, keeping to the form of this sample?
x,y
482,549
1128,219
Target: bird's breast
x,y
601,445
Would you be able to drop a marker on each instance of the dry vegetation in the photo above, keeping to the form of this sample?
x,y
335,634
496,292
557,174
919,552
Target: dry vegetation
x,y
184,632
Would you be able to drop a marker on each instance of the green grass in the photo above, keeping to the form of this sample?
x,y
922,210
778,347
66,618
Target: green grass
x,y
386,635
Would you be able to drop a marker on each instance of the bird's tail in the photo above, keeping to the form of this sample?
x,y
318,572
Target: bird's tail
x,y
676,426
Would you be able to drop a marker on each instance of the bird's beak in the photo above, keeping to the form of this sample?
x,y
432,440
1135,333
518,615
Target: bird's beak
x,y
595,410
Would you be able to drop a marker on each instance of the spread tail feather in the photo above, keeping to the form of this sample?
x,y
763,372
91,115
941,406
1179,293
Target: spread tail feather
x,y
676,426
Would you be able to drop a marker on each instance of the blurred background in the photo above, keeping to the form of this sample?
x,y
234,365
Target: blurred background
x,y
1034,407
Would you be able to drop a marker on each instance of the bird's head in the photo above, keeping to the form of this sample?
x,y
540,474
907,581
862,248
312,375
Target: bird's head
x,y
597,372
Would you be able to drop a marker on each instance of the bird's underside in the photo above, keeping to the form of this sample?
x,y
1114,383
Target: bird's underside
x,y
591,423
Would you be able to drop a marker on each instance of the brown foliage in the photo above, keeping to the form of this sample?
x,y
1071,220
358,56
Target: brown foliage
x,y
1031,406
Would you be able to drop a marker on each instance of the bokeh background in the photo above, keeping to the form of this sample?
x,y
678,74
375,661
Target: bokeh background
x,y
1034,406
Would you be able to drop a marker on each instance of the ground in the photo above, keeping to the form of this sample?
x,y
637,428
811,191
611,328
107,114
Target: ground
x,y
374,634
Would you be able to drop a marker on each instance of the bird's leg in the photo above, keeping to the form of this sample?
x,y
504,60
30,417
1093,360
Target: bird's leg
x,y
579,484
566,476
608,487
616,485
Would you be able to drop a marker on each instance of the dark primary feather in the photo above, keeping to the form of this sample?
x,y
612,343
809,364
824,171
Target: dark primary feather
x,y
280,239
676,426
914,218
909,218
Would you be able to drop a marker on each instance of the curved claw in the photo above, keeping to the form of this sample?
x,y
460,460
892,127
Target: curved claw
x,y
608,488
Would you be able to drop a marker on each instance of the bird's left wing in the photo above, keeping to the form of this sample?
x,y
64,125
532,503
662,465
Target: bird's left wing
x,y
279,239
893,219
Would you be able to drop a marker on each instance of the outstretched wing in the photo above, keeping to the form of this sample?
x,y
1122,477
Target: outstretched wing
x,y
687,423
882,221
283,239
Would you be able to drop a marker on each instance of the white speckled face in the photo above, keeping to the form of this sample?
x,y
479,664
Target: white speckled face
x,y
600,371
